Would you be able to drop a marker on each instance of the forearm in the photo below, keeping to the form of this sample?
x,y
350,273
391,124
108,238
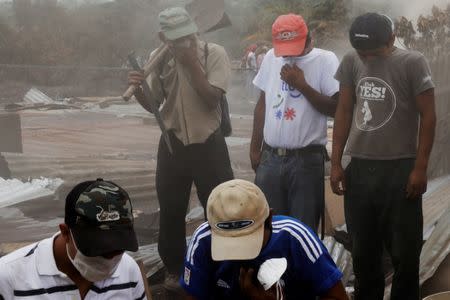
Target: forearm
x,y
426,139
258,124
342,124
204,89
324,104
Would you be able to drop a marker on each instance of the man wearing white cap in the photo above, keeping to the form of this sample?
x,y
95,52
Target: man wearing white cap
x,y
189,83
226,252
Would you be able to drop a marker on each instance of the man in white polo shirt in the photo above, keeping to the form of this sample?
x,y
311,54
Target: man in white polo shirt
x,y
86,259
298,92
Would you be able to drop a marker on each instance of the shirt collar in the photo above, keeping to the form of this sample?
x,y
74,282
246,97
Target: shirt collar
x,y
45,259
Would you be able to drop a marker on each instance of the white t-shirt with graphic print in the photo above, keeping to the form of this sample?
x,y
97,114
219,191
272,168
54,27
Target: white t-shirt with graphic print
x,y
291,121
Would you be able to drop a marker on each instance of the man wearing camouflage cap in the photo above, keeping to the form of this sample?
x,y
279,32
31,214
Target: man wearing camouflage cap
x,y
86,258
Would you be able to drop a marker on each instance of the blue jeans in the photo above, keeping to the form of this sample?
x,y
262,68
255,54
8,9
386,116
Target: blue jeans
x,y
293,185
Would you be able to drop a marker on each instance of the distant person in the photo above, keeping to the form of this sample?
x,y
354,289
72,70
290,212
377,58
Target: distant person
x,y
225,253
384,93
86,259
298,92
190,83
246,59
260,54
251,58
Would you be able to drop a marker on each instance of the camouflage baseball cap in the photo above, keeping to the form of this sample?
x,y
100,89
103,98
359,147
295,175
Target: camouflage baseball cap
x,y
100,217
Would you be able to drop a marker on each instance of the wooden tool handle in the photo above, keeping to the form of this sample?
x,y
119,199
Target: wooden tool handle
x,y
154,60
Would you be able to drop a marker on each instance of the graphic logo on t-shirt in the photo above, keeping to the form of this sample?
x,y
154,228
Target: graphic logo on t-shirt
x,y
279,114
376,103
292,91
279,102
289,114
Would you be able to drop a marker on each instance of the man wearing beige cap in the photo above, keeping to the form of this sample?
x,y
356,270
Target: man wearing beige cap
x,y
189,83
225,253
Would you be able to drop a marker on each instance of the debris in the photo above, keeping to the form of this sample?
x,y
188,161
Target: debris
x,y
13,191
35,96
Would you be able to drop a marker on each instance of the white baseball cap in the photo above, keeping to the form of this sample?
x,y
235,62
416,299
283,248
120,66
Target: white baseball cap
x,y
236,212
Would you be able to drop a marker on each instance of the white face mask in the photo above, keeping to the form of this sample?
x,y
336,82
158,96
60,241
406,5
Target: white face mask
x,y
290,60
95,268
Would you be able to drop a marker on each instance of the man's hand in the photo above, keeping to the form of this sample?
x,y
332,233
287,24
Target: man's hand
x,y
255,159
417,184
186,56
251,290
135,78
294,76
337,179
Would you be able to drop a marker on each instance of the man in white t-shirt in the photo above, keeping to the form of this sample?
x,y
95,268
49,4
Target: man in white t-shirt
x,y
85,259
298,92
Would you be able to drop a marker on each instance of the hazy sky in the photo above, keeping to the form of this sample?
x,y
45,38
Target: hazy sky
x,y
413,8
408,8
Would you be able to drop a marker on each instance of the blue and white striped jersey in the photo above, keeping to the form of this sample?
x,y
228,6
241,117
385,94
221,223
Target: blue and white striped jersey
x,y
310,272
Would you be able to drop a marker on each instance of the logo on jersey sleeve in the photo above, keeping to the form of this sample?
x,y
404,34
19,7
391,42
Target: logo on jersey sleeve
x,y
376,103
221,283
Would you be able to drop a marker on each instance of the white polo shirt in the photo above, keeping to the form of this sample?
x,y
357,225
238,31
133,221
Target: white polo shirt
x,y
30,273
291,121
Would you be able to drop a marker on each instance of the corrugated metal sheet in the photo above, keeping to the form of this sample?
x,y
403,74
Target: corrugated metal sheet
x,y
14,191
436,248
35,96
341,257
434,251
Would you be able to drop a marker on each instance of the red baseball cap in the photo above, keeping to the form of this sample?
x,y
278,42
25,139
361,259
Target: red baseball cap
x,y
289,34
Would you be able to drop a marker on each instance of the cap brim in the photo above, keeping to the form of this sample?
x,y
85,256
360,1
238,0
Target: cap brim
x,y
97,242
186,30
290,48
237,248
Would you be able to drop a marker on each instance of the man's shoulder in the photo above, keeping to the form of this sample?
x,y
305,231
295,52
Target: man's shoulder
x,y
18,263
200,243
203,231
298,235
270,54
410,56
350,55
215,49
291,225
129,265
18,255
324,53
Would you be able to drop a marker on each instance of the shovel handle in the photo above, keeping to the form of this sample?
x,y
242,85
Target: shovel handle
x,y
154,60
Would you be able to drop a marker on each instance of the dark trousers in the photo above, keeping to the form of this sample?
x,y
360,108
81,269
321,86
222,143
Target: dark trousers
x,y
294,184
379,215
206,165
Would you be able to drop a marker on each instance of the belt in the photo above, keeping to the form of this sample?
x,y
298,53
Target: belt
x,y
297,151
